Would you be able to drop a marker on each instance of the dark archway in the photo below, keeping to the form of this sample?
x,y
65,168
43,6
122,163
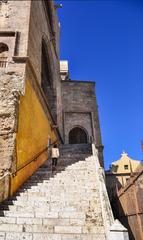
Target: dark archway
x,y
3,54
78,135
3,48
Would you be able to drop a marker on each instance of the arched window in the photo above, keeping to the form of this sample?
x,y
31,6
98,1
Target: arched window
x,y
3,55
45,69
78,135
47,77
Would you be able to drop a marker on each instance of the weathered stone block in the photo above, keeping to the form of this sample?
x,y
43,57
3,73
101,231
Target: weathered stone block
x,y
67,229
46,236
18,236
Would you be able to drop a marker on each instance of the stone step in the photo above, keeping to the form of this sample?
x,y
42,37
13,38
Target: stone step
x,y
69,173
47,207
67,153
44,236
4,207
72,147
41,221
78,166
66,198
80,157
71,177
40,171
72,156
43,214
71,160
39,228
78,205
63,181
64,192
61,187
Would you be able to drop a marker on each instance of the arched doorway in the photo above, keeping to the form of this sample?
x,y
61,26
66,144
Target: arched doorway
x,y
77,135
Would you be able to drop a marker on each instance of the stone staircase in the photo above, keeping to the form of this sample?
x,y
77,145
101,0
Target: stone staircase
x,y
62,206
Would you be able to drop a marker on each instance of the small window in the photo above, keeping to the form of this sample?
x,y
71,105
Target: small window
x,y
126,167
113,168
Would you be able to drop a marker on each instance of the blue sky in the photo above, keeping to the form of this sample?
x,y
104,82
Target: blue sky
x,y
103,42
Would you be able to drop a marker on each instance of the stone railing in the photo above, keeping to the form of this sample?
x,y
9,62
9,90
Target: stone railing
x,y
114,230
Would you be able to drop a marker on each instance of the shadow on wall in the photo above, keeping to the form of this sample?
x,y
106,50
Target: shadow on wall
x,y
112,184
120,214
47,78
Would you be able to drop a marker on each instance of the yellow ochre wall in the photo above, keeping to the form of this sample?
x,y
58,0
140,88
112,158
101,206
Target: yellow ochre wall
x,y
32,137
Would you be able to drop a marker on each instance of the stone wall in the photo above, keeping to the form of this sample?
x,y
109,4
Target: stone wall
x,y
80,109
14,21
114,230
14,17
39,30
22,26
10,87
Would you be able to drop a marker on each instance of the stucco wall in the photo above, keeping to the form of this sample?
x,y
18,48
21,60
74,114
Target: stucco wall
x,y
34,130
33,126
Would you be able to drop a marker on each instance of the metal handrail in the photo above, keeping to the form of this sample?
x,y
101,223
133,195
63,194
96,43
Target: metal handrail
x,y
34,158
